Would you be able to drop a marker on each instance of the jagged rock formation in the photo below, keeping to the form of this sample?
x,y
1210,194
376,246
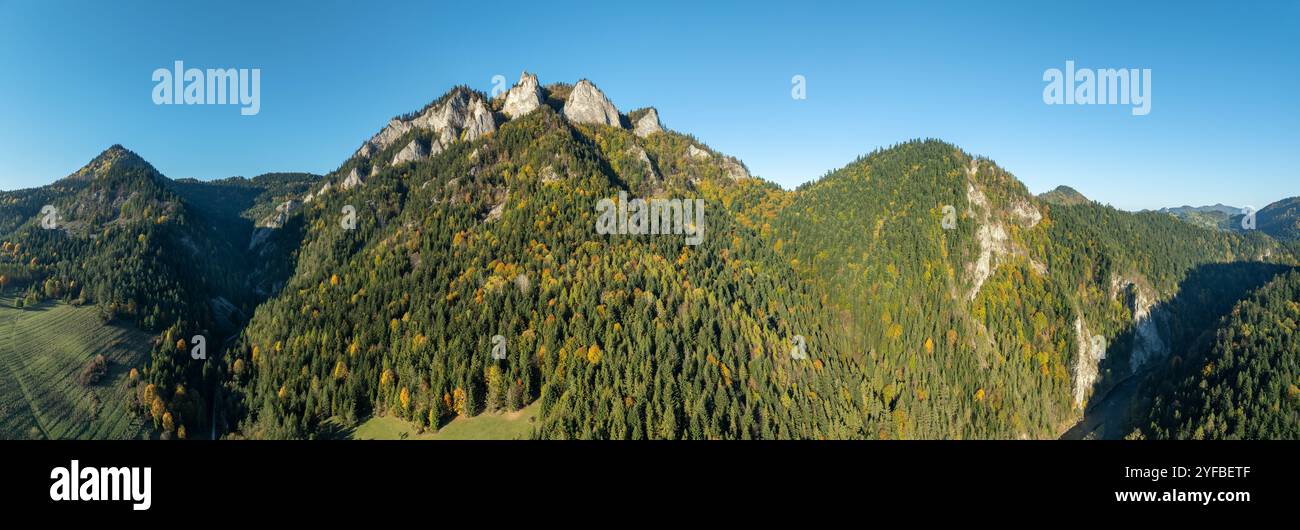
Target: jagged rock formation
x,y
587,104
1148,344
648,123
994,241
696,153
1087,359
282,212
460,115
321,193
524,97
413,151
734,168
353,180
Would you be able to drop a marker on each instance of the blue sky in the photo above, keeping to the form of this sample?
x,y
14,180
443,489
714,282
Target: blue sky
x,y
1224,123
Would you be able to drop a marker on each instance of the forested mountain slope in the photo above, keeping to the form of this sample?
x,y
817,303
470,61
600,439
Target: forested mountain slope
x,y
998,326
165,256
934,295
479,255
495,235
1248,384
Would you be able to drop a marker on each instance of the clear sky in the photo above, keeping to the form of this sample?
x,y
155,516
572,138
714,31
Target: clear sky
x,y
1224,126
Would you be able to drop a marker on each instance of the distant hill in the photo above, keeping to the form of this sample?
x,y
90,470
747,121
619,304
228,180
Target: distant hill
x,y
1063,195
1281,219
171,258
1218,216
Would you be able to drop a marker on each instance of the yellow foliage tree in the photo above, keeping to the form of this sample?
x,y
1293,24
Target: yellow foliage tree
x,y
594,354
157,409
458,396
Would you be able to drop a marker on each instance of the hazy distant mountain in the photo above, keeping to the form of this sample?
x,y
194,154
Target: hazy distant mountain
x,y
1218,216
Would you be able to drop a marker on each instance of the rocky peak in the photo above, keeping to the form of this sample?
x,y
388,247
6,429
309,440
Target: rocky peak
x,y
587,104
648,123
524,97
461,114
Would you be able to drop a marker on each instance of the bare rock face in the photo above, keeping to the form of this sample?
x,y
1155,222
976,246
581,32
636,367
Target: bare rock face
x,y
648,124
1086,361
696,153
282,212
412,152
524,97
587,104
463,114
353,180
735,169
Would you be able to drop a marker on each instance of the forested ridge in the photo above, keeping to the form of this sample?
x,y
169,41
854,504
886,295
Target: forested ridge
x,y
917,292
1247,386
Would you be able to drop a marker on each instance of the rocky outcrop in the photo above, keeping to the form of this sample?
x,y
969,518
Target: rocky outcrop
x,y
696,153
734,169
1148,344
587,104
413,152
1089,351
524,97
995,244
648,123
1026,213
281,215
353,180
460,115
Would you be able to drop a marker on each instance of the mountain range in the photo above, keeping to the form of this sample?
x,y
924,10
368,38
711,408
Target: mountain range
x,y
450,271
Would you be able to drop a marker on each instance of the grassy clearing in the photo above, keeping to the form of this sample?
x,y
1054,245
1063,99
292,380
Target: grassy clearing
x,y
42,349
488,426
